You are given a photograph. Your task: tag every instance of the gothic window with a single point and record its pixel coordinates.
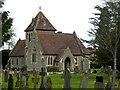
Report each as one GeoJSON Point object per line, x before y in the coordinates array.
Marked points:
{"type": "Point", "coordinates": [34, 55]}
{"type": "Point", "coordinates": [12, 61]}
{"type": "Point", "coordinates": [76, 60]}
{"type": "Point", "coordinates": [17, 61]}
{"type": "Point", "coordinates": [22, 60]}
{"type": "Point", "coordinates": [29, 37]}
{"type": "Point", "coordinates": [50, 60]}
{"type": "Point", "coordinates": [44, 22]}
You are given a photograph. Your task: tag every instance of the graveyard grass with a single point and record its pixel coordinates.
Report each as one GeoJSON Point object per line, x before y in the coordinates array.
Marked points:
{"type": "Point", "coordinates": [57, 82]}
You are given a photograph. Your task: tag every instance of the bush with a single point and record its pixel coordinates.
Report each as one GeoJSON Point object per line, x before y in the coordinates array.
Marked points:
{"type": "Point", "coordinates": [52, 69]}
{"type": "Point", "coordinates": [24, 68]}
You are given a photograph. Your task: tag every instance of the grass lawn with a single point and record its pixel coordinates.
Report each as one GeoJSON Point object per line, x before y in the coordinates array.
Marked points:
{"type": "Point", "coordinates": [57, 82]}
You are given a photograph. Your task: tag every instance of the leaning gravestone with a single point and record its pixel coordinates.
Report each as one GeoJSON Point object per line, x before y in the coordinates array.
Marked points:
{"type": "Point", "coordinates": [10, 83]}
{"type": "Point", "coordinates": [6, 76]}
{"type": "Point", "coordinates": [84, 82]}
{"type": "Point", "coordinates": [67, 79]}
{"type": "Point", "coordinates": [18, 81]}
{"type": "Point", "coordinates": [99, 85]}
{"type": "Point", "coordinates": [49, 83]}
{"type": "Point", "coordinates": [43, 82]}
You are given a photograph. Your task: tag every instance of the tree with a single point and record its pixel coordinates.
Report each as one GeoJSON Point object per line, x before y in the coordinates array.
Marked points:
{"type": "Point", "coordinates": [106, 34]}
{"type": "Point", "coordinates": [7, 31]}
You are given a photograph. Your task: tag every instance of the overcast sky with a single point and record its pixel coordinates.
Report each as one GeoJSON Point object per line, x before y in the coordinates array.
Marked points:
{"type": "Point", "coordinates": [65, 15]}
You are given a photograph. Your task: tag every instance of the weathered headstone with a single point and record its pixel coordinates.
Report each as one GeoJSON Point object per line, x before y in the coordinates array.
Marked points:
{"type": "Point", "coordinates": [67, 78]}
{"type": "Point", "coordinates": [27, 83]}
{"type": "Point", "coordinates": [49, 83]}
{"type": "Point", "coordinates": [109, 83]}
{"type": "Point", "coordinates": [99, 85]}
{"type": "Point", "coordinates": [6, 76]}
{"type": "Point", "coordinates": [119, 85]}
{"type": "Point", "coordinates": [10, 82]}
{"type": "Point", "coordinates": [43, 82]}
{"type": "Point", "coordinates": [22, 83]}
{"type": "Point", "coordinates": [18, 81]}
{"type": "Point", "coordinates": [102, 69]}
{"type": "Point", "coordinates": [84, 82]}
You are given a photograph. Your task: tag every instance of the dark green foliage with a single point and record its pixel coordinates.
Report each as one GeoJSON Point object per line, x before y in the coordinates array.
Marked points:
{"type": "Point", "coordinates": [7, 31]}
{"type": "Point", "coordinates": [5, 57]}
{"type": "Point", "coordinates": [94, 65]}
{"type": "Point", "coordinates": [24, 68]}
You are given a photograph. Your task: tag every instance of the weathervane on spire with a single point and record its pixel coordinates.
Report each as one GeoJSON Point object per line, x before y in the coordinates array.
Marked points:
{"type": "Point", "coordinates": [40, 8]}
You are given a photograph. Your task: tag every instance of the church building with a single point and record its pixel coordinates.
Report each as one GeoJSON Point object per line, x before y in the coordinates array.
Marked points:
{"type": "Point", "coordinates": [45, 47]}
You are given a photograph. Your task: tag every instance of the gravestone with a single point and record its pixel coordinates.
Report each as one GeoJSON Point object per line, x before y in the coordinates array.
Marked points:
{"type": "Point", "coordinates": [6, 76]}
{"type": "Point", "coordinates": [119, 85]}
{"type": "Point", "coordinates": [15, 72]}
{"type": "Point", "coordinates": [109, 83]}
{"type": "Point", "coordinates": [102, 69]}
{"type": "Point", "coordinates": [36, 80]}
{"type": "Point", "coordinates": [67, 78]}
{"type": "Point", "coordinates": [43, 82]}
{"type": "Point", "coordinates": [22, 83]}
{"type": "Point", "coordinates": [18, 81]}
{"type": "Point", "coordinates": [49, 83]}
{"type": "Point", "coordinates": [99, 85]}
{"type": "Point", "coordinates": [10, 82]}
{"type": "Point", "coordinates": [27, 83]}
{"type": "Point", "coordinates": [84, 82]}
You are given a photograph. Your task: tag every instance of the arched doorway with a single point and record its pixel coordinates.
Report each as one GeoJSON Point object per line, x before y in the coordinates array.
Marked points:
{"type": "Point", "coordinates": [67, 62]}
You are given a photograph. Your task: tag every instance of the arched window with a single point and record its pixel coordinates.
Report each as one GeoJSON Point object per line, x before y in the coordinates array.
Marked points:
{"type": "Point", "coordinates": [34, 55]}
{"type": "Point", "coordinates": [29, 37]}
{"type": "Point", "coordinates": [17, 61]}
{"type": "Point", "coordinates": [50, 60]}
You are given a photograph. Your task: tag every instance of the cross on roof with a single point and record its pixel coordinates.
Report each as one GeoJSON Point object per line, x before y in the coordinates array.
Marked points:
{"type": "Point", "coordinates": [40, 8]}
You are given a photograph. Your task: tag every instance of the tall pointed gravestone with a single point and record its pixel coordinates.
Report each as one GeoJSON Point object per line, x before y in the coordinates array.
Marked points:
{"type": "Point", "coordinates": [67, 78]}
{"type": "Point", "coordinates": [18, 81]}
{"type": "Point", "coordinates": [84, 82]}
{"type": "Point", "coordinates": [10, 83]}
{"type": "Point", "coordinates": [43, 82]}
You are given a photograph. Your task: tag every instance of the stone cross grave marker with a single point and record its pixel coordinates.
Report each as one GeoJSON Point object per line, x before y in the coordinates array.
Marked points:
{"type": "Point", "coordinates": [27, 83]}
{"type": "Point", "coordinates": [36, 80]}
{"type": "Point", "coordinates": [6, 76]}
{"type": "Point", "coordinates": [109, 83]}
{"type": "Point", "coordinates": [10, 82]}
{"type": "Point", "coordinates": [49, 83]}
{"type": "Point", "coordinates": [18, 81]}
{"type": "Point", "coordinates": [84, 82]}
{"type": "Point", "coordinates": [43, 82]}
{"type": "Point", "coordinates": [67, 78]}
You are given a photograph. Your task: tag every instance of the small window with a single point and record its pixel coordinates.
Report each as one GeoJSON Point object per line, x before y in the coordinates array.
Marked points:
{"type": "Point", "coordinates": [12, 61]}
{"type": "Point", "coordinates": [34, 55]}
{"type": "Point", "coordinates": [22, 60]}
{"type": "Point", "coordinates": [50, 60]}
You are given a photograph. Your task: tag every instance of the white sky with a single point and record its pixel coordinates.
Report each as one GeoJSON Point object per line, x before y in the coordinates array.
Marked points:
{"type": "Point", "coordinates": [65, 15]}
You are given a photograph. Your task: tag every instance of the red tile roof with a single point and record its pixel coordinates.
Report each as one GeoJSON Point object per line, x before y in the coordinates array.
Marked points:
{"type": "Point", "coordinates": [40, 22]}
{"type": "Point", "coordinates": [19, 49]}
{"type": "Point", "coordinates": [52, 43]}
